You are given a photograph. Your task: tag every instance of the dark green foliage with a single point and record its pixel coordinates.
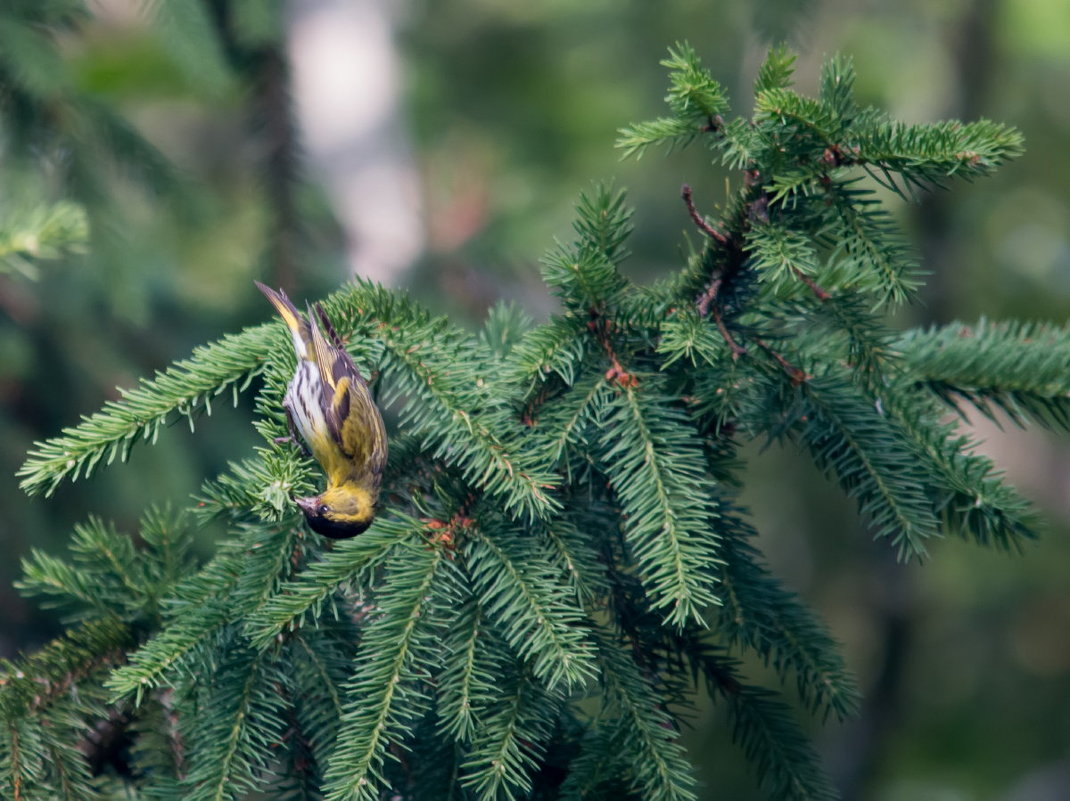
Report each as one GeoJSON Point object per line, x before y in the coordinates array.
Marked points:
{"type": "Point", "coordinates": [850, 438]}
{"type": "Point", "coordinates": [1020, 369]}
{"type": "Point", "coordinates": [559, 565]}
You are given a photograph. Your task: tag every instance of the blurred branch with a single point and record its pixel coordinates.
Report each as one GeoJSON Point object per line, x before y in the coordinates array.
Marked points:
{"type": "Point", "coordinates": [41, 232]}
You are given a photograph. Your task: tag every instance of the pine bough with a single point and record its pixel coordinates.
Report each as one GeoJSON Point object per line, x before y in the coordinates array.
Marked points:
{"type": "Point", "coordinates": [560, 564]}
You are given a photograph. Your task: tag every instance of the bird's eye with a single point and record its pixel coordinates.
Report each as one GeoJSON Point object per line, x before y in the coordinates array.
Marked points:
{"type": "Point", "coordinates": [324, 508]}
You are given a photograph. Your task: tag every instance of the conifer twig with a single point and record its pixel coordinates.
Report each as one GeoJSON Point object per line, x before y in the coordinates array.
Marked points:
{"type": "Point", "coordinates": [707, 305]}
{"type": "Point", "coordinates": [707, 300]}
{"type": "Point", "coordinates": [796, 374]}
{"type": "Point", "coordinates": [819, 293]}
{"type": "Point", "coordinates": [616, 373]}
{"type": "Point", "coordinates": [700, 221]}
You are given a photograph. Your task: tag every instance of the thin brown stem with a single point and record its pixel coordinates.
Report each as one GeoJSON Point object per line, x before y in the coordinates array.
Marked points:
{"type": "Point", "coordinates": [819, 293]}
{"type": "Point", "coordinates": [707, 305]}
{"type": "Point", "coordinates": [708, 297]}
{"type": "Point", "coordinates": [700, 221]}
{"type": "Point", "coordinates": [616, 374]}
{"type": "Point", "coordinates": [737, 349]}
{"type": "Point", "coordinates": [796, 374]}
{"type": "Point", "coordinates": [16, 768]}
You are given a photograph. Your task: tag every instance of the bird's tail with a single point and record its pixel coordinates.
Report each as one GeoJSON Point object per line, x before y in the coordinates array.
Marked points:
{"type": "Point", "coordinates": [295, 321]}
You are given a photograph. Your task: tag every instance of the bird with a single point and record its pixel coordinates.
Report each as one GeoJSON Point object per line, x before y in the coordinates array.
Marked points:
{"type": "Point", "coordinates": [328, 404]}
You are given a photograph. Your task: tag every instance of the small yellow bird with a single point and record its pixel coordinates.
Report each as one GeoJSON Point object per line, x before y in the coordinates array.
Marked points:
{"type": "Point", "coordinates": [328, 404]}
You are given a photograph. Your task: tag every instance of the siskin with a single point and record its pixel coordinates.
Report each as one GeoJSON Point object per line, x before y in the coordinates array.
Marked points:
{"type": "Point", "coordinates": [328, 404]}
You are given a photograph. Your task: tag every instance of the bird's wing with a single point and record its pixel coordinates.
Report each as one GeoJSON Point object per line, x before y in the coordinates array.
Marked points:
{"type": "Point", "coordinates": [352, 417]}
{"type": "Point", "coordinates": [355, 423]}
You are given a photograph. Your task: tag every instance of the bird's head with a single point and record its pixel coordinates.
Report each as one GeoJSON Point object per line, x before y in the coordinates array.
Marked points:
{"type": "Point", "coordinates": [340, 512]}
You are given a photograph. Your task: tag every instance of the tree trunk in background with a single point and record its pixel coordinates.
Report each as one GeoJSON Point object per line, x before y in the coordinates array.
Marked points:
{"type": "Point", "coordinates": [974, 59]}
{"type": "Point", "coordinates": [347, 86]}
{"type": "Point", "coordinates": [859, 754]}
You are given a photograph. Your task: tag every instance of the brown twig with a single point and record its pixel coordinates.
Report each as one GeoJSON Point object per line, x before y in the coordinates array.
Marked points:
{"type": "Point", "coordinates": [445, 533]}
{"type": "Point", "coordinates": [707, 301]}
{"type": "Point", "coordinates": [737, 349]}
{"type": "Point", "coordinates": [796, 374]}
{"type": "Point", "coordinates": [700, 221]}
{"type": "Point", "coordinates": [714, 123]}
{"type": "Point", "coordinates": [616, 374]}
{"type": "Point", "coordinates": [820, 293]}
{"type": "Point", "coordinates": [704, 305]}
{"type": "Point", "coordinates": [707, 305]}
{"type": "Point", "coordinates": [708, 297]}
{"type": "Point", "coordinates": [528, 416]}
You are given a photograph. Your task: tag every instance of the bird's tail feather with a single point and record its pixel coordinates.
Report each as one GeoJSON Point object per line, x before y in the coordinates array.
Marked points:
{"type": "Point", "coordinates": [295, 321]}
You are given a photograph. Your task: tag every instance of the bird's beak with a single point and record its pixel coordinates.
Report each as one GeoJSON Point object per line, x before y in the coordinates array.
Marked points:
{"type": "Point", "coordinates": [308, 505]}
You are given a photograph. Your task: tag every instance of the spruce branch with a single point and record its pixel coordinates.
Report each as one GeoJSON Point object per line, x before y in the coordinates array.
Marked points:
{"type": "Point", "coordinates": [575, 556]}
{"type": "Point", "coordinates": [642, 728]}
{"type": "Point", "coordinates": [759, 614]}
{"type": "Point", "coordinates": [776, 70]}
{"type": "Point", "coordinates": [849, 437]}
{"type": "Point", "coordinates": [1016, 368]}
{"type": "Point", "coordinates": [511, 739]}
{"type": "Point", "coordinates": [448, 419]}
{"type": "Point", "coordinates": [970, 497]}
{"type": "Point", "coordinates": [184, 390]}
{"type": "Point", "coordinates": [351, 560]}
{"type": "Point", "coordinates": [585, 274]}
{"type": "Point", "coordinates": [566, 424]}
{"type": "Point", "coordinates": [469, 672]}
{"type": "Point", "coordinates": [322, 663]}
{"type": "Point", "coordinates": [558, 565]}
{"type": "Point", "coordinates": [867, 343]}
{"type": "Point", "coordinates": [239, 721]}
{"type": "Point", "coordinates": [204, 606]}
{"type": "Point", "coordinates": [696, 99]}
{"type": "Point", "coordinates": [40, 232]}
{"type": "Point", "coordinates": [869, 245]}
{"type": "Point", "coordinates": [552, 349]}
{"type": "Point", "coordinates": [384, 698]}
{"type": "Point", "coordinates": [693, 91]}
{"type": "Point", "coordinates": [684, 334]}
{"type": "Point", "coordinates": [763, 727]}
{"type": "Point", "coordinates": [936, 151]}
{"type": "Point", "coordinates": [654, 465]}
{"type": "Point", "coordinates": [46, 701]}
{"type": "Point", "coordinates": [531, 612]}
{"type": "Point", "coordinates": [29, 685]}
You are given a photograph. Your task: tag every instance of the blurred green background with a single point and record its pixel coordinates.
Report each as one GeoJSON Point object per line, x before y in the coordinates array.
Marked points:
{"type": "Point", "coordinates": [438, 145]}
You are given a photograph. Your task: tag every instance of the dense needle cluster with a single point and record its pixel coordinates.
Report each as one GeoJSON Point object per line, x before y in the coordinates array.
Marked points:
{"type": "Point", "coordinates": [559, 564]}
